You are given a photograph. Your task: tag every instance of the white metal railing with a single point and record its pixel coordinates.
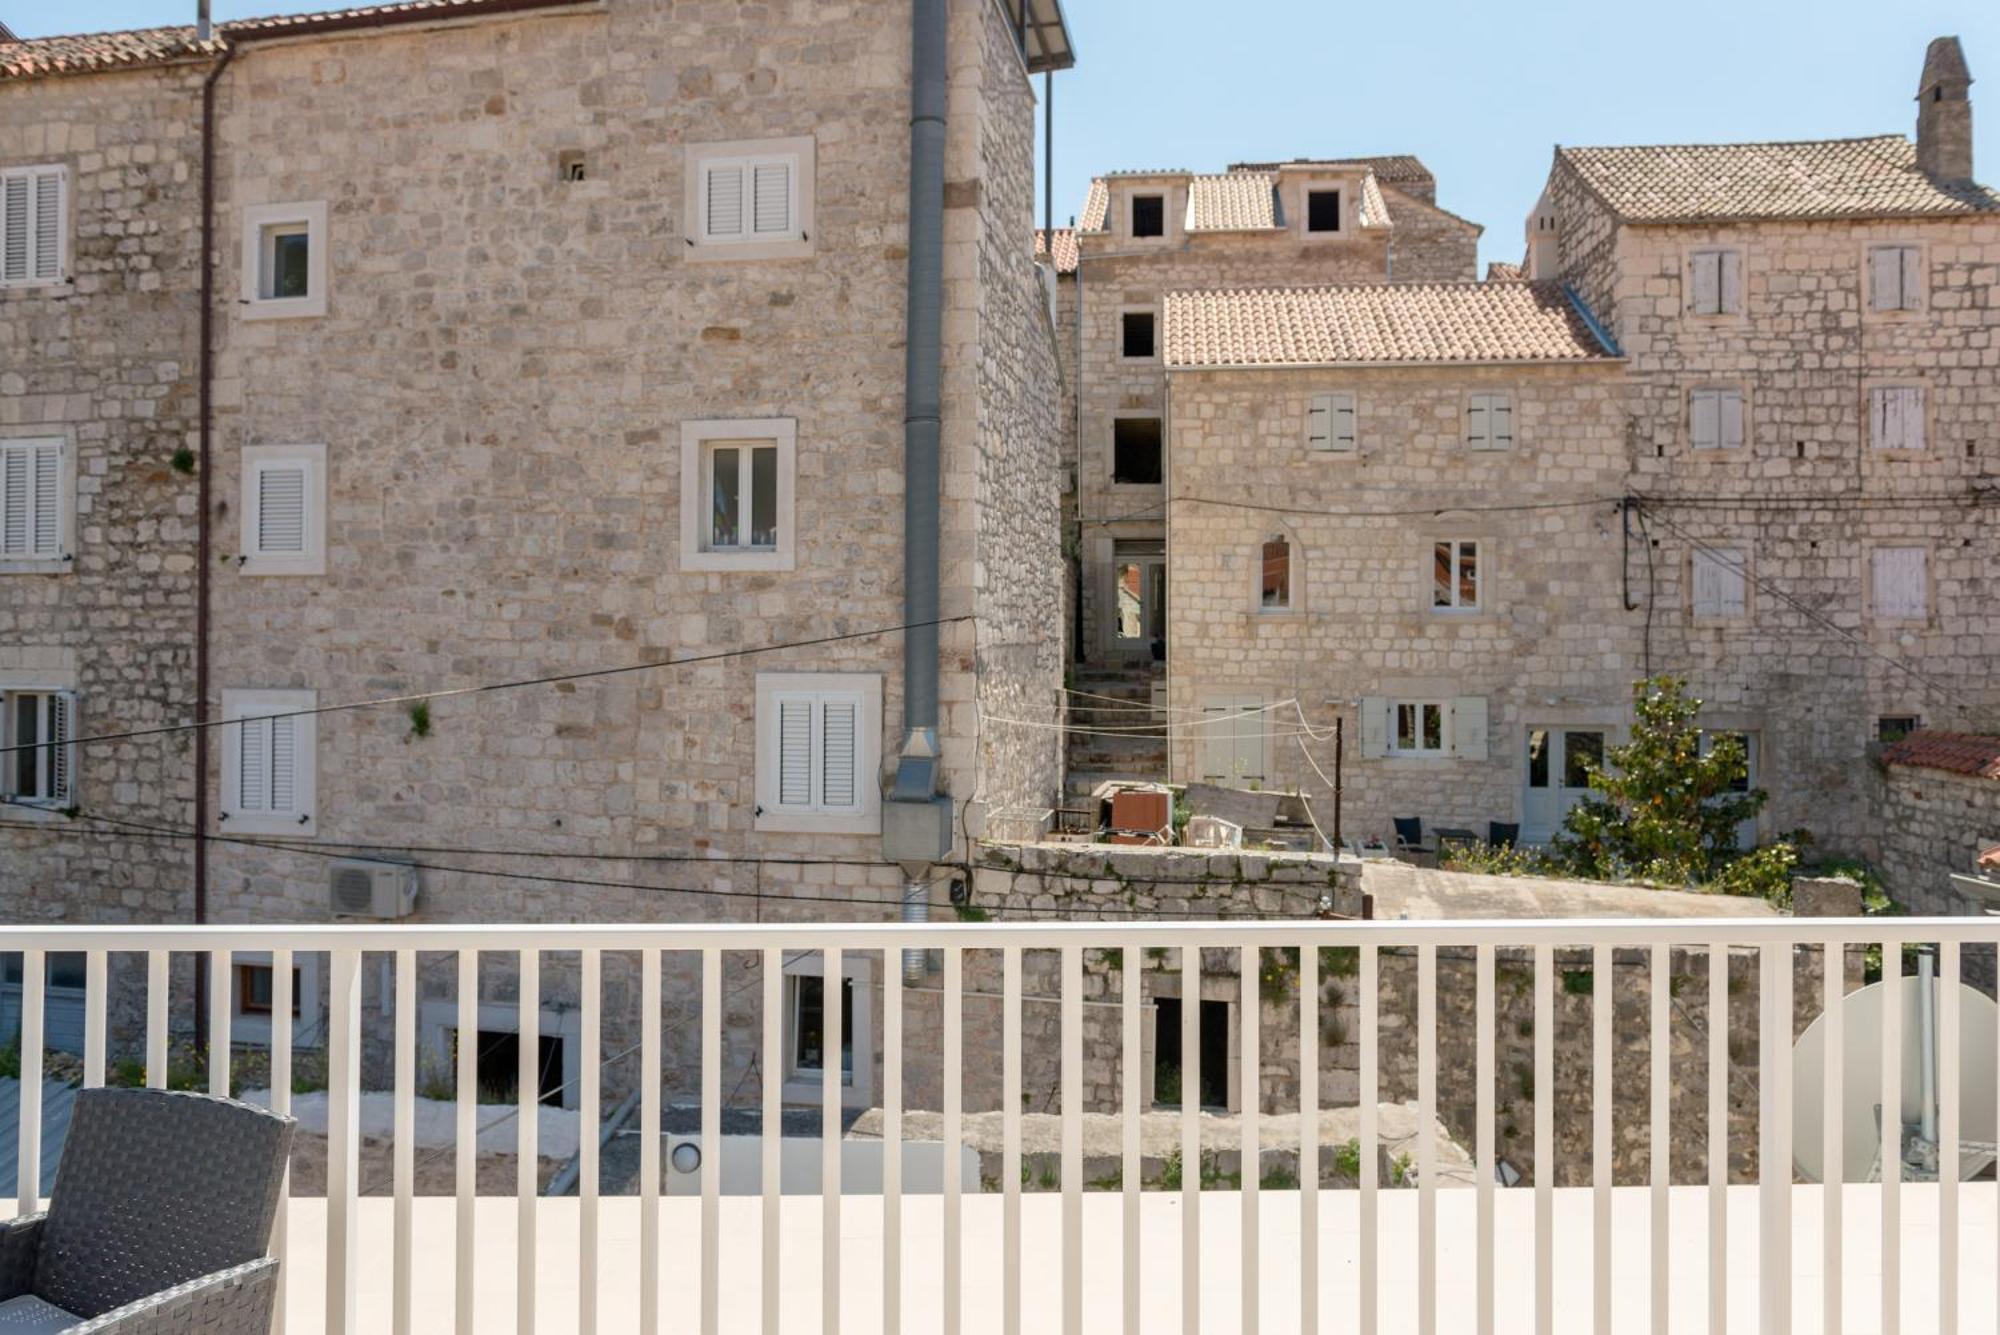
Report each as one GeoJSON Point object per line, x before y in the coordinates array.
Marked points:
{"type": "Point", "coordinates": [1093, 1246]}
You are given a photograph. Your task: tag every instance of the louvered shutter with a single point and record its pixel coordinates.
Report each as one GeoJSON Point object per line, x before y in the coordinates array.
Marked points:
{"type": "Point", "coordinates": [837, 753]}
{"type": "Point", "coordinates": [62, 757]}
{"type": "Point", "coordinates": [1730, 299]}
{"type": "Point", "coordinates": [1899, 579]}
{"type": "Point", "coordinates": [48, 225]}
{"type": "Point", "coordinates": [1911, 286]}
{"type": "Point", "coordinates": [1729, 419]}
{"type": "Point", "coordinates": [795, 752]}
{"type": "Point", "coordinates": [16, 474]}
{"type": "Point", "coordinates": [31, 500]}
{"type": "Point", "coordinates": [725, 202]}
{"type": "Point", "coordinates": [284, 765]}
{"type": "Point", "coordinates": [253, 765]}
{"type": "Point", "coordinates": [772, 198]}
{"type": "Point", "coordinates": [16, 257]}
{"type": "Point", "coordinates": [281, 510]}
{"type": "Point", "coordinates": [1704, 419]}
{"type": "Point", "coordinates": [1319, 423]}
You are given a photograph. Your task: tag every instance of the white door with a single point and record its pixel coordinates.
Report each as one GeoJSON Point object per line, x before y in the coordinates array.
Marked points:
{"type": "Point", "coordinates": [1559, 761]}
{"type": "Point", "coordinates": [1230, 749]}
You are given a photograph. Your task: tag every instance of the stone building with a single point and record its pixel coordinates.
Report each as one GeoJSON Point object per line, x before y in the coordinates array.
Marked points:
{"type": "Point", "coordinates": [1940, 803]}
{"type": "Point", "coordinates": [547, 339]}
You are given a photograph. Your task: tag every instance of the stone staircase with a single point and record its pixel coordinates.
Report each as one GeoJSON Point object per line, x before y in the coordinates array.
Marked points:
{"type": "Point", "coordinates": [1114, 697]}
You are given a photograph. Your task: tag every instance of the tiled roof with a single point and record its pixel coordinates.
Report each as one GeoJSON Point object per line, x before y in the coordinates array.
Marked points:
{"type": "Point", "coordinates": [1065, 253]}
{"type": "Point", "coordinates": [1238, 200]}
{"type": "Point", "coordinates": [1096, 207]}
{"type": "Point", "coordinates": [1499, 271]}
{"type": "Point", "coordinates": [89, 52]}
{"type": "Point", "coordinates": [1826, 178]}
{"type": "Point", "coordinates": [1954, 752]}
{"type": "Point", "coordinates": [1378, 322]}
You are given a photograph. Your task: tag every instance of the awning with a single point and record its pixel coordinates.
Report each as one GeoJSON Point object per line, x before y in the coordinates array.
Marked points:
{"type": "Point", "coordinates": [1044, 35]}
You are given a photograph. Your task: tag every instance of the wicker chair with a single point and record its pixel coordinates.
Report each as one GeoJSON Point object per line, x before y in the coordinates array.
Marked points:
{"type": "Point", "coordinates": [159, 1222]}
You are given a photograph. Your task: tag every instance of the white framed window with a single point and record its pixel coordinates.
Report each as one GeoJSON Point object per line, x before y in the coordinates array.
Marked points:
{"type": "Point", "coordinates": [1896, 417]}
{"type": "Point", "coordinates": [1720, 582]}
{"type": "Point", "coordinates": [253, 995]}
{"type": "Point", "coordinates": [1139, 334]}
{"type": "Point", "coordinates": [1715, 419]}
{"type": "Point", "coordinates": [269, 763]}
{"type": "Point", "coordinates": [1455, 576]}
{"type": "Point", "coordinates": [34, 503]}
{"type": "Point", "coordinates": [750, 199]}
{"type": "Point", "coordinates": [1417, 727]}
{"type": "Point", "coordinates": [34, 225]}
{"type": "Point", "coordinates": [805, 1029]}
{"type": "Point", "coordinates": [1330, 423]}
{"type": "Point", "coordinates": [284, 510]}
{"type": "Point", "coordinates": [1425, 728]}
{"type": "Point", "coordinates": [1489, 421]}
{"type": "Point", "coordinates": [819, 752]}
{"type": "Point", "coordinates": [44, 722]}
{"type": "Point", "coordinates": [737, 505]}
{"type": "Point", "coordinates": [1715, 281]}
{"type": "Point", "coordinates": [1899, 583]}
{"type": "Point", "coordinates": [1277, 575]}
{"type": "Point", "coordinates": [1895, 278]}
{"type": "Point", "coordinates": [284, 261]}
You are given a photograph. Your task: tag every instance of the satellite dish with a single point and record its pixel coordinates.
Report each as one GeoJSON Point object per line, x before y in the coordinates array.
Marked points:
{"type": "Point", "coordinates": [1861, 1079]}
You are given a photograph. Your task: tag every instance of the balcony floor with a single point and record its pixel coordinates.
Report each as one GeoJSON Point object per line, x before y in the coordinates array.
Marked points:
{"type": "Point", "coordinates": [861, 1236]}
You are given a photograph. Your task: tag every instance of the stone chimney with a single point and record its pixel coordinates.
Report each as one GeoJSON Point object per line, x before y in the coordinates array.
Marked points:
{"type": "Point", "coordinates": [1944, 113]}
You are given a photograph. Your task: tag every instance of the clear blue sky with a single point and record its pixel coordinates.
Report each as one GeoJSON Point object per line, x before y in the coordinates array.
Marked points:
{"type": "Point", "coordinates": [1480, 89]}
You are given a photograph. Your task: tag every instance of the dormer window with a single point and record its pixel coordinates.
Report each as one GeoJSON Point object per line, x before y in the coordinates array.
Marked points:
{"type": "Point", "coordinates": [1322, 210]}
{"type": "Point", "coordinates": [1149, 215]}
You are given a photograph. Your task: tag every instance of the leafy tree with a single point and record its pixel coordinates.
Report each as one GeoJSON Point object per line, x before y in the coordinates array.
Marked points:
{"type": "Point", "coordinates": [1662, 809]}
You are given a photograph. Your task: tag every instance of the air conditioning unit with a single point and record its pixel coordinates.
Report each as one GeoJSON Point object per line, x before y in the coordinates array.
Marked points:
{"type": "Point", "coordinates": [357, 888]}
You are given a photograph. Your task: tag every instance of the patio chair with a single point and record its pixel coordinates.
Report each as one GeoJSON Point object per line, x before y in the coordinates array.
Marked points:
{"type": "Point", "coordinates": [1410, 834]}
{"type": "Point", "coordinates": [160, 1221]}
{"type": "Point", "coordinates": [1502, 834]}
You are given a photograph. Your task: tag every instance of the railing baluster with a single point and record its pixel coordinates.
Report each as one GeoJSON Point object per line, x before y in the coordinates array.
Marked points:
{"type": "Point", "coordinates": [829, 1145]}
{"type": "Point", "coordinates": [1370, 1148]}
{"type": "Point", "coordinates": [590, 1072]}
{"type": "Point", "coordinates": [1545, 1124]}
{"type": "Point", "coordinates": [96, 989]}
{"type": "Point", "coordinates": [28, 1163]}
{"type": "Point", "coordinates": [1603, 998]}
{"type": "Point", "coordinates": [343, 1144]}
{"type": "Point", "coordinates": [892, 1142]}
{"type": "Point", "coordinates": [1131, 975]}
{"type": "Point", "coordinates": [219, 968]}
{"type": "Point", "coordinates": [711, 1123]}
{"type": "Point", "coordinates": [282, 1001]}
{"type": "Point", "coordinates": [1948, 1166]}
{"type": "Point", "coordinates": [1427, 1139]}
{"type": "Point", "coordinates": [406, 1131]}
{"type": "Point", "coordinates": [1010, 1145]}
{"type": "Point", "coordinates": [649, 1141]}
{"type": "Point", "coordinates": [1191, 1140]}
{"type": "Point", "coordinates": [1309, 1131]}
{"type": "Point", "coordinates": [156, 1019]}
{"type": "Point", "coordinates": [527, 1138]}
{"type": "Point", "coordinates": [1718, 1137]}
{"type": "Point", "coordinates": [1891, 1139]}
{"type": "Point", "coordinates": [1774, 1152]}
{"type": "Point", "coordinates": [1832, 1137]}
{"type": "Point", "coordinates": [772, 1129]}
{"type": "Point", "coordinates": [465, 1093]}
{"type": "Point", "coordinates": [1072, 1138]}
{"type": "Point", "coordinates": [1483, 1132]}
{"type": "Point", "coordinates": [954, 1093]}
{"type": "Point", "coordinates": [1659, 1054]}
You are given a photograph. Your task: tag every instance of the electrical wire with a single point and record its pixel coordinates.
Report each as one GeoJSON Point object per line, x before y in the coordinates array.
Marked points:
{"type": "Point", "coordinates": [1323, 512]}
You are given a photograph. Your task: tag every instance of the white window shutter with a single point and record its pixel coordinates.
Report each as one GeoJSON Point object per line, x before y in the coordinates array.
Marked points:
{"type": "Point", "coordinates": [1912, 284]}
{"type": "Point", "coordinates": [1705, 419]}
{"type": "Point", "coordinates": [771, 190]}
{"type": "Point", "coordinates": [795, 752]}
{"type": "Point", "coordinates": [253, 765]}
{"type": "Point", "coordinates": [1729, 415]}
{"type": "Point", "coordinates": [1503, 422]}
{"type": "Point", "coordinates": [1719, 583]}
{"type": "Point", "coordinates": [1478, 427]}
{"type": "Point", "coordinates": [838, 781]}
{"type": "Point", "coordinates": [1343, 421]}
{"type": "Point", "coordinates": [281, 510]}
{"type": "Point", "coordinates": [1900, 583]}
{"type": "Point", "coordinates": [1319, 423]}
{"type": "Point", "coordinates": [1468, 727]}
{"type": "Point", "coordinates": [1707, 281]}
{"type": "Point", "coordinates": [1885, 279]}
{"type": "Point", "coordinates": [1912, 401]}
{"type": "Point", "coordinates": [16, 477]}
{"type": "Point", "coordinates": [48, 225]}
{"type": "Point", "coordinates": [284, 765]}
{"type": "Point", "coordinates": [1375, 726]}
{"type": "Point", "coordinates": [16, 258]}
{"type": "Point", "coordinates": [725, 201]}
{"type": "Point", "coordinates": [62, 759]}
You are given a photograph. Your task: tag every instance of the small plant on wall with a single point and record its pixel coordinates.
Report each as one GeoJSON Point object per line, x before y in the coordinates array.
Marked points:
{"type": "Point", "coordinates": [420, 719]}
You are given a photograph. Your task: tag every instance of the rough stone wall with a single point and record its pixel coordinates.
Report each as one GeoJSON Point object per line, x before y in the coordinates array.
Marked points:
{"type": "Point", "coordinates": [1427, 244]}
{"type": "Point", "coordinates": [108, 361]}
{"type": "Point", "coordinates": [1551, 646]}
{"type": "Point", "coordinates": [1933, 824]}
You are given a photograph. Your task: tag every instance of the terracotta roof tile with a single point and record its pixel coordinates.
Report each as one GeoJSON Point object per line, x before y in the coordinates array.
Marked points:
{"type": "Point", "coordinates": [1499, 271]}
{"type": "Point", "coordinates": [1378, 322]}
{"type": "Point", "coordinates": [1096, 207]}
{"type": "Point", "coordinates": [1827, 178]}
{"type": "Point", "coordinates": [1232, 202]}
{"type": "Point", "coordinates": [1954, 752]}
{"type": "Point", "coordinates": [1065, 254]}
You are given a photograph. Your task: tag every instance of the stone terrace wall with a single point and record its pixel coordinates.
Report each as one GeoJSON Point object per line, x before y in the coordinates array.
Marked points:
{"type": "Point", "coordinates": [1934, 823]}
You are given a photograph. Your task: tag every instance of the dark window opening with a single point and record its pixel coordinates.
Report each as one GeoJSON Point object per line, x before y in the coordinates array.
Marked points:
{"type": "Point", "coordinates": [1149, 215]}
{"type": "Point", "coordinates": [255, 989]}
{"type": "Point", "coordinates": [809, 1026]}
{"type": "Point", "coordinates": [1895, 727]}
{"type": "Point", "coordinates": [499, 1068]}
{"type": "Point", "coordinates": [1322, 210]}
{"type": "Point", "coordinates": [1138, 331]}
{"type": "Point", "coordinates": [1135, 450]}
{"type": "Point", "coordinates": [570, 165]}
{"type": "Point", "coordinates": [1167, 1082]}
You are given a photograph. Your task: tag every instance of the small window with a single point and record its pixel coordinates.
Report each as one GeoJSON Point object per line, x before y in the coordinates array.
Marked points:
{"type": "Point", "coordinates": [571, 165]}
{"type": "Point", "coordinates": [737, 494]}
{"type": "Point", "coordinates": [38, 728]}
{"type": "Point", "coordinates": [1276, 578]}
{"type": "Point", "coordinates": [1721, 583]}
{"type": "Point", "coordinates": [33, 221]}
{"type": "Point", "coordinates": [808, 1025]}
{"type": "Point", "coordinates": [750, 199]}
{"type": "Point", "coordinates": [1135, 450]}
{"type": "Point", "coordinates": [34, 507]}
{"type": "Point", "coordinates": [284, 506]}
{"type": "Point", "coordinates": [255, 989]}
{"type": "Point", "coordinates": [284, 260]}
{"type": "Point", "coordinates": [1322, 210]}
{"type": "Point", "coordinates": [1896, 417]}
{"type": "Point", "coordinates": [269, 760]}
{"type": "Point", "coordinates": [1455, 576]}
{"type": "Point", "coordinates": [1417, 728]}
{"type": "Point", "coordinates": [1899, 583]}
{"type": "Point", "coordinates": [819, 746]}
{"type": "Point", "coordinates": [1137, 341]}
{"type": "Point", "coordinates": [1489, 422]}
{"type": "Point", "coordinates": [1895, 727]}
{"type": "Point", "coordinates": [1895, 278]}
{"type": "Point", "coordinates": [1715, 419]}
{"type": "Point", "coordinates": [1149, 215]}
{"type": "Point", "coordinates": [1715, 282]}
{"type": "Point", "coordinates": [1330, 423]}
